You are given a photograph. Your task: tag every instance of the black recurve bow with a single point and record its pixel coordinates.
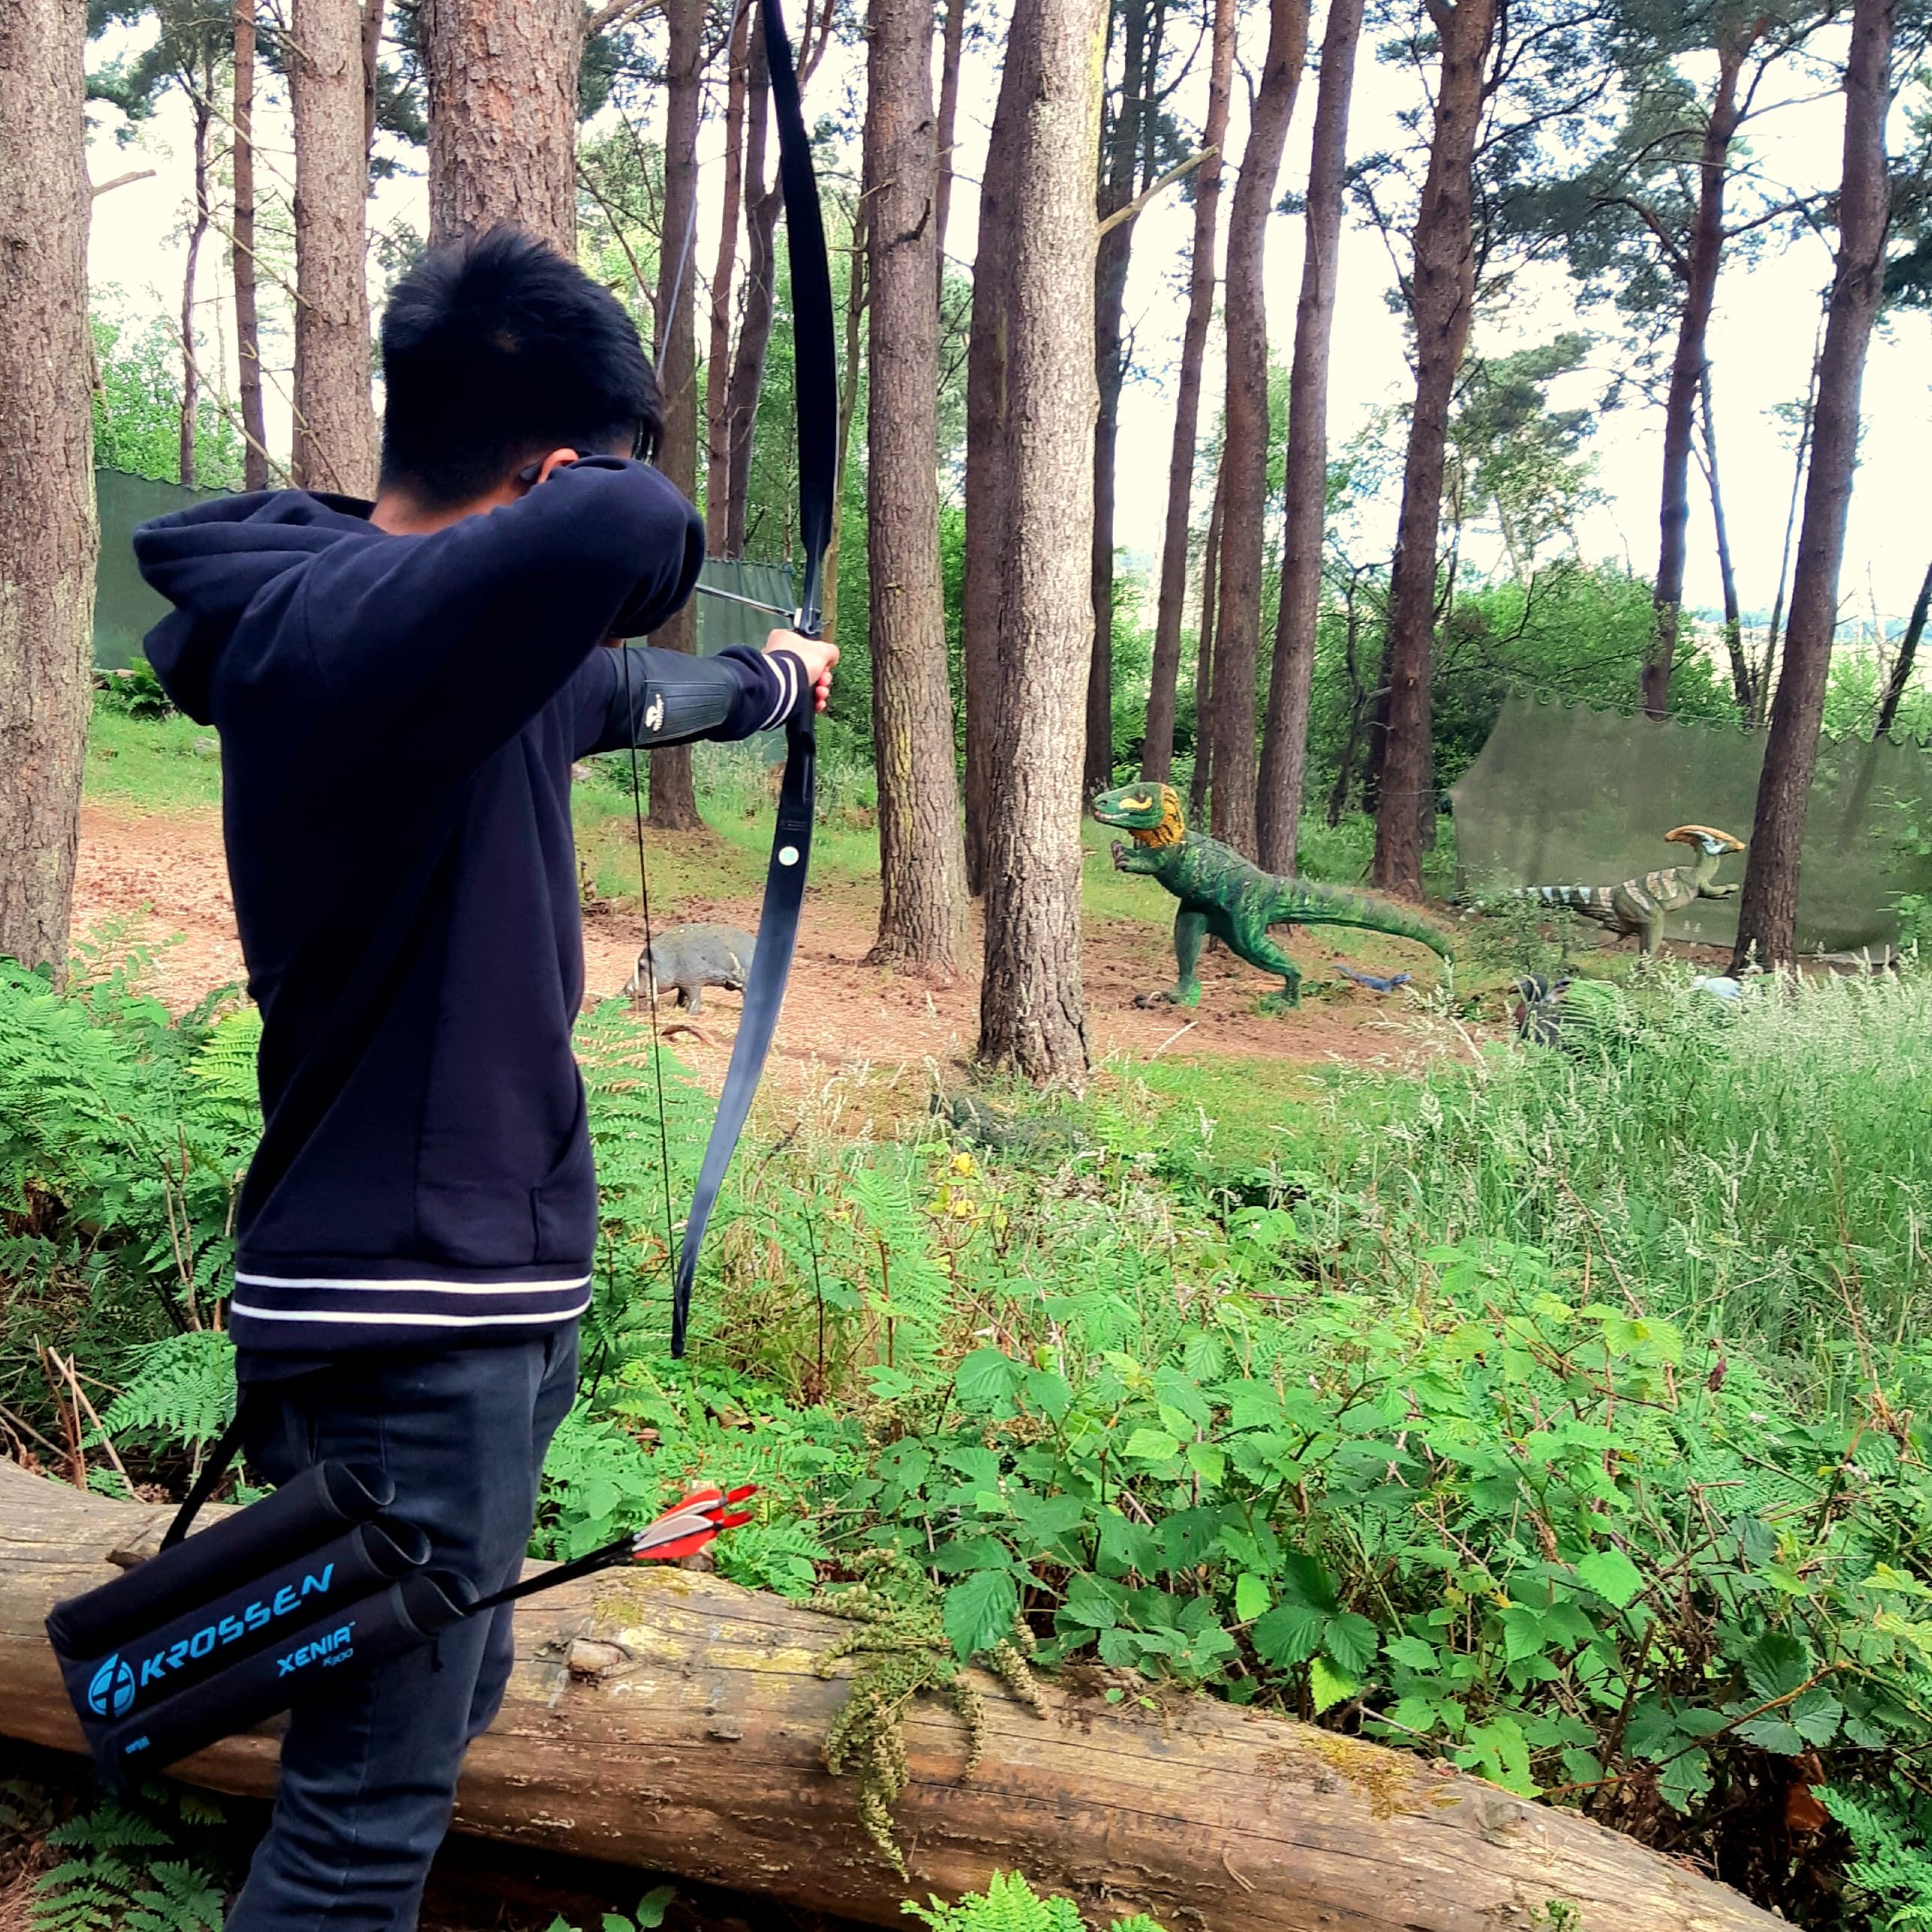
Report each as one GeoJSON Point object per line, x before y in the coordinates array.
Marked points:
{"type": "Point", "coordinates": [815, 387]}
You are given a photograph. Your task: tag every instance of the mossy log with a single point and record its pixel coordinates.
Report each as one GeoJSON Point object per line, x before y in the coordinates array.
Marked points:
{"type": "Point", "coordinates": [670, 1721]}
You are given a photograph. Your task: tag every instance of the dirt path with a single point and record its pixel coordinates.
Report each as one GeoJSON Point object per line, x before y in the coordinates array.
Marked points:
{"type": "Point", "coordinates": [161, 879]}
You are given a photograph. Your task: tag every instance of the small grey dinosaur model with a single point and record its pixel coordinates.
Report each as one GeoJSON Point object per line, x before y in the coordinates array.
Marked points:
{"type": "Point", "coordinates": [685, 959]}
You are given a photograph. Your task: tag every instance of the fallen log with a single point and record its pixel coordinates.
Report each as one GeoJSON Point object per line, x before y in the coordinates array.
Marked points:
{"type": "Point", "coordinates": [668, 1720]}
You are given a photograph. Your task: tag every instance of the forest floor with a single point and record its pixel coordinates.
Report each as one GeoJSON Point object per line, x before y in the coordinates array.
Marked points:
{"type": "Point", "coordinates": [158, 879]}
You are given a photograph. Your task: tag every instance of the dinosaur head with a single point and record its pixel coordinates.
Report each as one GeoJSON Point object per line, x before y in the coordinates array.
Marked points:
{"type": "Point", "coordinates": [1150, 812]}
{"type": "Point", "coordinates": [1708, 840]}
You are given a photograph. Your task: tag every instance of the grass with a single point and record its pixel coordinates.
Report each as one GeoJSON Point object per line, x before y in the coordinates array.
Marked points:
{"type": "Point", "coordinates": [161, 764]}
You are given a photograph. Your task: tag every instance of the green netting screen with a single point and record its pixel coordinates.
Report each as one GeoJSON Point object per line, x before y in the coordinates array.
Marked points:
{"type": "Point", "coordinates": [125, 610]}
{"type": "Point", "coordinates": [1563, 794]}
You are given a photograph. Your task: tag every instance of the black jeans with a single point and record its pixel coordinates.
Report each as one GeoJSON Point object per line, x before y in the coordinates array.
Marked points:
{"type": "Point", "coordinates": [369, 1770]}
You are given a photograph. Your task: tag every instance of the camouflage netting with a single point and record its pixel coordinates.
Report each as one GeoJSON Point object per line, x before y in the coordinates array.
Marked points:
{"type": "Point", "coordinates": [1563, 794]}
{"type": "Point", "coordinates": [125, 610]}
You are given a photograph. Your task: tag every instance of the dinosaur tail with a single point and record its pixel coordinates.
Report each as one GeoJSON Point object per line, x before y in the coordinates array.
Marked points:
{"type": "Point", "coordinates": [1317, 905]}
{"type": "Point", "coordinates": [1579, 898]}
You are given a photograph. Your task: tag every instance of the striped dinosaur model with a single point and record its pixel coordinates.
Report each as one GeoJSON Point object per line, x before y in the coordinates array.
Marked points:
{"type": "Point", "coordinates": [1639, 906]}
{"type": "Point", "coordinates": [1221, 893]}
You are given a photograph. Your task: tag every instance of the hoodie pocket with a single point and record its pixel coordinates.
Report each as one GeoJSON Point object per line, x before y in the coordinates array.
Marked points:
{"type": "Point", "coordinates": [563, 1204]}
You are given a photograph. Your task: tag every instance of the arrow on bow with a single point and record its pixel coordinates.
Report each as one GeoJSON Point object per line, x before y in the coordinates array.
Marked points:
{"type": "Point", "coordinates": [815, 356]}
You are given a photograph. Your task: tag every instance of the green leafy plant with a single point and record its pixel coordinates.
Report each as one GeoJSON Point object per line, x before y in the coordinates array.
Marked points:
{"type": "Point", "coordinates": [1010, 1904]}
{"type": "Point", "coordinates": [647, 1916]}
{"type": "Point", "coordinates": [135, 691]}
{"type": "Point", "coordinates": [1891, 1867]}
{"type": "Point", "coordinates": [114, 1878]}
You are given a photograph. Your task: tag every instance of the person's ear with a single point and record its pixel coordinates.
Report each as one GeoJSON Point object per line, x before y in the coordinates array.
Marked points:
{"type": "Point", "coordinates": [555, 461]}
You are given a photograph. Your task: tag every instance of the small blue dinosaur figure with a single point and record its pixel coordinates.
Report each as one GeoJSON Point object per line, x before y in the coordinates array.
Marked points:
{"type": "Point", "coordinates": [1374, 982]}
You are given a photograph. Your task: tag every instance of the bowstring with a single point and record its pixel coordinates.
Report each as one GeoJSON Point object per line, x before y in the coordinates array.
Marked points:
{"type": "Point", "coordinates": [650, 966]}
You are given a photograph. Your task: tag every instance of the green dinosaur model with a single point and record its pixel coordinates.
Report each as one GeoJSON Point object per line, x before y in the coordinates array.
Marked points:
{"type": "Point", "coordinates": [1640, 906]}
{"type": "Point", "coordinates": [1221, 893]}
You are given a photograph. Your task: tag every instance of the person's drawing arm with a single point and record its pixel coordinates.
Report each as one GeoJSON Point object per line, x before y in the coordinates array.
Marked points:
{"type": "Point", "coordinates": [472, 630]}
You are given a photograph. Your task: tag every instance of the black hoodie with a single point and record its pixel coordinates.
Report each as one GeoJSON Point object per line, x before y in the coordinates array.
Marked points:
{"type": "Point", "coordinates": [398, 718]}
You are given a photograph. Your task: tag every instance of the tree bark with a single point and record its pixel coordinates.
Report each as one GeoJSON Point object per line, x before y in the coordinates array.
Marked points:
{"type": "Point", "coordinates": [48, 546]}
{"type": "Point", "coordinates": [1157, 748]}
{"type": "Point", "coordinates": [718, 362]}
{"type": "Point", "coordinates": [1245, 453]}
{"type": "Point", "coordinates": [1687, 364]}
{"type": "Point", "coordinates": [1767, 911]}
{"type": "Point", "coordinates": [922, 862]}
{"type": "Point", "coordinates": [951, 46]}
{"type": "Point", "coordinates": [673, 792]}
{"type": "Point", "coordinates": [667, 1720]}
{"type": "Point", "coordinates": [1908, 653]}
{"type": "Point", "coordinates": [335, 418]}
{"type": "Point", "coordinates": [1032, 1014]}
{"type": "Point", "coordinates": [1204, 666]}
{"type": "Point", "coordinates": [856, 300]}
{"type": "Point", "coordinates": [1734, 616]}
{"type": "Point", "coordinates": [1284, 743]}
{"type": "Point", "coordinates": [754, 329]}
{"type": "Point", "coordinates": [201, 104]}
{"type": "Point", "coordinates": [1120, 155]}
{"type": "Point", "coordinates": [247, 321]}
{"type": "Point", "coordinates": [372, 70]}
{"type": "Point", "coordinates": [1442, 293]}
{"type": "Point", "coordinates": [503, 118]}
{"type": "Point", "coordinates": [987, 481]}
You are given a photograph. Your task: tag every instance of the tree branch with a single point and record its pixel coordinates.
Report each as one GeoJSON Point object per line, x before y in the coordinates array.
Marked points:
{"type": "Point", "coordinates": [1152, 188]}
{"type": "Point", "coordinates": [99, 188]}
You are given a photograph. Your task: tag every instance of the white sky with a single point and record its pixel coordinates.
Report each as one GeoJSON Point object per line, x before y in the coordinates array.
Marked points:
{"type": "Point", "coordinates": [1760, 343]}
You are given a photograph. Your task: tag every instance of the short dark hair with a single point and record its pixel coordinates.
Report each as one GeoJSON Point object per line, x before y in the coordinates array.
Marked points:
{"type": "Point", "coordinates": [497, 350]}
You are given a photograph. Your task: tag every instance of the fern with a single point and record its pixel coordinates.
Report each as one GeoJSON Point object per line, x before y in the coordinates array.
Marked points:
{"type": "Point", "coordinates": [108, 1884]}
{"type": "Point", "coordinates": [182, 1391]}
{"type": "Point", "coordinates": [1891, 1864]}
{"type": "Point", "coordinates": [914, 1286]}
{"type": "Point", "coordinates": [1010, 1904]}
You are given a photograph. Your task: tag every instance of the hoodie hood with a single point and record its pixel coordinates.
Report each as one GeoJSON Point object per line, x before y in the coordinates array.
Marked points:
{"type": "Point", "coordinates": [212, 561]}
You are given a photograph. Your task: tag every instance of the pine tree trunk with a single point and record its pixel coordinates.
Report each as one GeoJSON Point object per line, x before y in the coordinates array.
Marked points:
{"type": "Point", "coordinates": [247, 321]}
{"type": "Point", "coordinates": [1687, 364]}
{"type": "Point", "coordinates": [673, 793]}
{"type": "Point", "coordinates": [856, 300]}
{"type": "Point", "coordinates": [49, 540]}
{"type": "Point", "coordinates": [203, 108]}
{"type": "Point", "coordinates": [1908, 653]}
{"type": "Point", "coordinates": [1119, 154]}
{"type": "Point", "coordinates": [1284, 743]}
{"type": "Point", "coordinates": [1244, 453]}
{"type": "Point", "coordinates": [951, 45]}
{"type": "Point", "coordinates": [372, 66]}
{"type": "Point", "coordinates": [1204, 666]}
{"type": "Point", "coordinates": [1032, 1015]}
{"type": "Point", "coordinates": [987, 481]}
{"type": "Point", "coordinates": [335, 417]}
{"type": "Point", "coordinates": [763, 204]}
{"type": "Point", "coordinates": [503, 118]}
{"type": "Point", "coordinates": [1157, 747]}
{"type": "Point", "coordinates": [1734, 616]}
{"type": "Point", "coordinates": [1767, 912]}
{"type": "Point", "coordinates": [922, 863]}
{"type": "Point", "coordinates": [718, 362]}
{"type": "Point", "coordinates": [1443, 283]}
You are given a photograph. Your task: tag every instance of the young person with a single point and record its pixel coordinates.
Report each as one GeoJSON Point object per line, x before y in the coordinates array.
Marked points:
{"type": "Point", "coordinates": [400, 690]}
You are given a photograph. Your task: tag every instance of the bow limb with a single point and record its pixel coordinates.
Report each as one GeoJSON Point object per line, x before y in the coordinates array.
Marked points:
{"type": "Point", "coordinates": [815, 386]}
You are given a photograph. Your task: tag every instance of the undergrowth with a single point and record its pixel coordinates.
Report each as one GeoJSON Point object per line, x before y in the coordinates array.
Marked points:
{"type": "Point", "coordinates": [1557, 1416]}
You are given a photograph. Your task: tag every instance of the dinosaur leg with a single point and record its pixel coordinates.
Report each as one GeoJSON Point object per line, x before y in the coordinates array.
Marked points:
{"type": "Point", "coordinates": [1264, 952]}
{"type": "Point", "coordinates": [1190, 931]}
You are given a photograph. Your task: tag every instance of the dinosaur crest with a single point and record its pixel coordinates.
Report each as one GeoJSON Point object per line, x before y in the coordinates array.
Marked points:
{"type": "Point", "coordinates": [1707, 837]}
